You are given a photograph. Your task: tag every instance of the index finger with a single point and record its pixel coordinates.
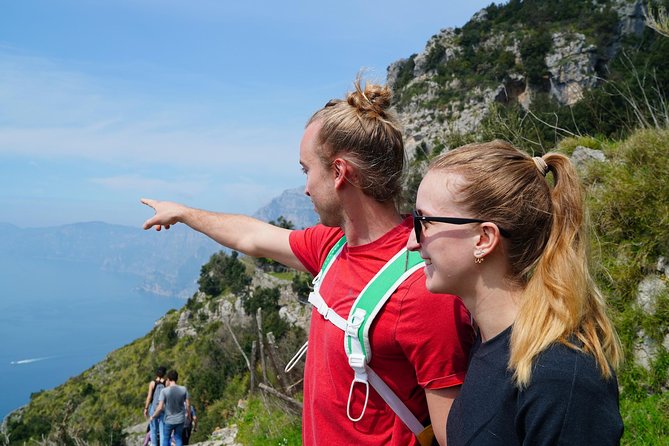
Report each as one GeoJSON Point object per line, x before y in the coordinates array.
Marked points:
{"type": "Point", "coordinates": [149, 202]}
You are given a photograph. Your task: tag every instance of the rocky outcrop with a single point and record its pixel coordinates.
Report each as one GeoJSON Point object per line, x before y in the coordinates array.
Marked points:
{"type": "Point", "coordinates": [439, 49]}
{"type": "Point", "coordinates": [583, 155]}
{"type": "Point", "coordinates": [631, 15]}
{"type": "Point", "coordinates": [231, 309]}
{"type": "Point", "coordinates": [572, 64]}
{"type": "Point", "coordinates": [226, 436]}
{"type": "Point", "coordinates": [651, 288]}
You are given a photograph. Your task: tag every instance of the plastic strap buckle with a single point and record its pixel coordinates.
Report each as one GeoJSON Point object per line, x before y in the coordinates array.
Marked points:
{"type": "Point", "coordinates": [357, 363]}
{"type": "Point", "coordinates": [354, 322]}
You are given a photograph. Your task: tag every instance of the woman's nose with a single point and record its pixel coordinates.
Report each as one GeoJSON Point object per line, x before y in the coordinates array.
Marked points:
{"type": "Point", "coordinates": [412, 243]}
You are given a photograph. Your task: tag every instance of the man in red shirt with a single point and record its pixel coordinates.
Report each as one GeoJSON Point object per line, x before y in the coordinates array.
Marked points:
{"type": "Point", "coordinates": [353, 156]}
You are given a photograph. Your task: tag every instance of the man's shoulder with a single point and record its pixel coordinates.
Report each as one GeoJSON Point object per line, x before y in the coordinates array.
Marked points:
{"type": "Point", "coordinates": [415, 289]}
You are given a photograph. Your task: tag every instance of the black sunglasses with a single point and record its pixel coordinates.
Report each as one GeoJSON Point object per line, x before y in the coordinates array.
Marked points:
{"type": "Point", "coordinates": [419, 219]}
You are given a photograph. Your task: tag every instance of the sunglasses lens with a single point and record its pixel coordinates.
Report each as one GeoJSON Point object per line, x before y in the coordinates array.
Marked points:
{"type": "Point", "coordinates": [417, 227]}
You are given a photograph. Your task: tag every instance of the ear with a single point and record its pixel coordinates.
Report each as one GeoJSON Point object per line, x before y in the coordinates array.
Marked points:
{"type": "Point", "coordinates": [488, 240]}
{"type": "Point", "coordinates": [341, 169]}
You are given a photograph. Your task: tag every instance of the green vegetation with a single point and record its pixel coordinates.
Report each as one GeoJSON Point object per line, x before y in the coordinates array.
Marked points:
{"type": "Point", "coordinates": [224, 273]}
{"type": "Point", "coordinates": [486, 59]}
{"type": "Point", "coordinates": [269, 265]}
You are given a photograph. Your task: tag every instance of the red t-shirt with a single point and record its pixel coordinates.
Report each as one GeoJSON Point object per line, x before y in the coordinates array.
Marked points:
{"type": "Point", "coordinates": [418, 340]}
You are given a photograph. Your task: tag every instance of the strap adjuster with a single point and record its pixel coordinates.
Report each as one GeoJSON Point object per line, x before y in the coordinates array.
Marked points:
{"type": "Point", "coordinates": [354, 322]}
{"type": "Point", "coordinates": [356, 361]}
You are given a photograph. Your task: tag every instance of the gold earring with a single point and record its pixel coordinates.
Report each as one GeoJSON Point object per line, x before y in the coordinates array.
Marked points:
{"type": "Point", "coordinates": [478, 256]}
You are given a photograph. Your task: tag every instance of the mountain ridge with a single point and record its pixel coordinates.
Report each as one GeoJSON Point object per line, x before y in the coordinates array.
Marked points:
{"type": "Point", "coordinates": [164, 264]}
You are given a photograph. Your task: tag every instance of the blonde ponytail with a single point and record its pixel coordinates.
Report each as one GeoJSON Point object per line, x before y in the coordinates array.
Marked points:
{"type": "Point", "coordinates": [547, 249]}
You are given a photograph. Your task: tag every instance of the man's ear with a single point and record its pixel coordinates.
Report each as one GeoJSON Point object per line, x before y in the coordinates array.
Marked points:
{"type": "Point", "coordinates": [341, 170]}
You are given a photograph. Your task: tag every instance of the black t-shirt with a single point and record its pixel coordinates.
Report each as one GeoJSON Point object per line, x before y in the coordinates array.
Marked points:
{"type": "Point", "coordinates": [567, 402]}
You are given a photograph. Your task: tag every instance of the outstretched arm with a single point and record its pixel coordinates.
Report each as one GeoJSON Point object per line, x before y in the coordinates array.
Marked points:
{"type": "Point", "coordinates": [239, 232]}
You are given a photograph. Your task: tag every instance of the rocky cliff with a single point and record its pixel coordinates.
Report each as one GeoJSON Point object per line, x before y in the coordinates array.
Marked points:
{"type": "Point", "coordinates": [508, 54]}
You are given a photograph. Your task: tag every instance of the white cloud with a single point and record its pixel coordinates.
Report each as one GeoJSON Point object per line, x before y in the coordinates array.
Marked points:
{"type": "Point", "coordinates": [136, 183]}
{"type": "Point", "coordinates": [53, 112]}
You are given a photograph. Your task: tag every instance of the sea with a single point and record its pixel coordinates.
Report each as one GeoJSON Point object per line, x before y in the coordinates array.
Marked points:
{"type": "Point", "coordinates": [57, 319]}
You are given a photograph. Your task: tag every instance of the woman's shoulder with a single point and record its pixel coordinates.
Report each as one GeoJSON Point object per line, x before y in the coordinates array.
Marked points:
{"type": "Point", "coordinates": [569, 401]}
{"type": "Point", "coordinates": [562, 366]}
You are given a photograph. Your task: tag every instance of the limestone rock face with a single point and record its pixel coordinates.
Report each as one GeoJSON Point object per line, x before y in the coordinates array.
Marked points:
{"type": "Point", "coordinates": [184, 328]}
{"type": "Point", "coordinates": [571, 65]}
{"type": "Point", "coordinates": [441, 47]}
{"type": "Point", "coordinates": [632, 20]}
{"type": "Point", "coordinates": [649, 291]}
{"type": "Point", "coordinates": [650, 288]}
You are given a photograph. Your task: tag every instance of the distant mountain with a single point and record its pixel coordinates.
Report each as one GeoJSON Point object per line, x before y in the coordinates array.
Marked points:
{"type": "Point", "coordinates": [293, 205]}
{"type": "Point", "coordinates": [165, 264]}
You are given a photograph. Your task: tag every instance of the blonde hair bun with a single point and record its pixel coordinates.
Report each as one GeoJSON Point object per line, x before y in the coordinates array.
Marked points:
{"type": "Point", "coordinates": [374, 99]}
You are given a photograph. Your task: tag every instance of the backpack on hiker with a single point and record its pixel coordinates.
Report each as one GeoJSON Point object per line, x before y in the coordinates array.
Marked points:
{"type": "Point", "coordinates": [356, 328]}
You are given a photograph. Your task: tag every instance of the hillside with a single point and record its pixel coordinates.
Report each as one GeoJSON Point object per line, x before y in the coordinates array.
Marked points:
{"type": "Point", "coordinates": [99, 404]}
{"type": "Point", "coordinates": [587, 79]}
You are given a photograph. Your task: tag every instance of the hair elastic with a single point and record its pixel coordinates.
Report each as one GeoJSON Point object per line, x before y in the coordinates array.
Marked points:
{"type": "Point", "coordinates": [541, 165]}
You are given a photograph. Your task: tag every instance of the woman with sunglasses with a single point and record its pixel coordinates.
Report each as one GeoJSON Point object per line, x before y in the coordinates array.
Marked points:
{"type": "Point", "coordinates": [513, 245]}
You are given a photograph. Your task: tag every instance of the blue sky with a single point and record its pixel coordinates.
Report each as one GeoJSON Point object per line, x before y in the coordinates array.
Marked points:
{"type": "Point", "coordinates": [202, 101]}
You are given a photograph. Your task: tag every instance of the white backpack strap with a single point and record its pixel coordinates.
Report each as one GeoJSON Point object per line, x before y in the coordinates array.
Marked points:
{"type": "Point", "coordinates": [315, 297]}
{"type": "Point", "coordinates": [319, 303]}
{"type": "Point", "coordinates": [293, 361]}
{"type": "Point", "coordinates": [366, 307]}
{"type": "Point", "coordinates": [396, 404]}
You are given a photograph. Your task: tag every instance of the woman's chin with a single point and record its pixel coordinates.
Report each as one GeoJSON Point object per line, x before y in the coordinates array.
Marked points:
{"type": "Point", "coordinates": [430, 283]}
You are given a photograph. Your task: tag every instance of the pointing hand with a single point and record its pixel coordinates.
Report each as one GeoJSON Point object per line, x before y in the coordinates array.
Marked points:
{"type": "Point", "coordinates": [167, 213]}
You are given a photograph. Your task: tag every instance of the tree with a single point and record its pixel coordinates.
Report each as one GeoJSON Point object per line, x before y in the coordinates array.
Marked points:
{"type": "Point", "coordinates": [269, 265]}
{"type": "Point", "coordinates": [224, 273]}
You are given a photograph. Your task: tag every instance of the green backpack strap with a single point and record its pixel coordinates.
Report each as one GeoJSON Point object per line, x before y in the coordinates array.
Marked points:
{"type": "Point", "coordinates": [356, 328]}
{"type": "Point", "coordinates": [366, 307]}
{"type": "Point", "coordinates": [374, 296]}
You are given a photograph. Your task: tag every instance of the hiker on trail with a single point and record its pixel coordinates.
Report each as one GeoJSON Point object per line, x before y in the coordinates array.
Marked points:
{"type": "Point", "coordinates": [151, 404]}
{"type": "Point", "coordinates": [175, 402]}
{"type": "Point", "coordinates": [513, 244]}
{"type": "Point", "coordinates": [190, 425]}
{"type": "Point", "coordinates": [353, 157]}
